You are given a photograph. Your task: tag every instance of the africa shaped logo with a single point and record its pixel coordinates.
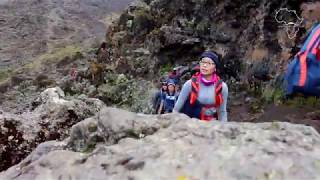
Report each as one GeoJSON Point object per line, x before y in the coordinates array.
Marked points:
{"type": "Point", "coordinates": [290, 20]}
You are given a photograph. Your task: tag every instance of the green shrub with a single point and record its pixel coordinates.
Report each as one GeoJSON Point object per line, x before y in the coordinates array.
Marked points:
{"type": "Point", "coordinates": [273, 95]}
{"type": "Point", "coordinates": [165, 69]}
{"type": "Point", "coordinates": [301, 101]}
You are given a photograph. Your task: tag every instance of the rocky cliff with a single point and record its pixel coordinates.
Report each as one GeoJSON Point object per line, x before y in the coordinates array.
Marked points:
{"type": "Point", "coordinates": [150, 37]}
{"type": "Point", "coordinates": [251, 37]}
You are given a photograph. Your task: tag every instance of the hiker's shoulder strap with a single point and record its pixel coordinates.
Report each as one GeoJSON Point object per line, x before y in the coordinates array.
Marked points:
{"type": "Point", "coordinates": [194, 84]}
{"type": "Point", "coordinates": [194, 79]}
{"type": "Point", "coordinates": [218, 87]}
{"type": "Point", "coordinates": [194, 89]}
{"type": "Point", "coordinates": [218, 92]}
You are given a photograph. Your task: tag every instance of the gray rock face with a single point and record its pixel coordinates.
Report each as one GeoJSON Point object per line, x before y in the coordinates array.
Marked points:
{"type": "Point", "coordinates": [50, 119]}
{"type": "Point", "coordinates": [133, 146]}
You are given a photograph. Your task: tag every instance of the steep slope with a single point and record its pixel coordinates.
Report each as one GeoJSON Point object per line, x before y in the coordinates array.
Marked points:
{"type": "Point", "coordinates": [29, 28]}
{"type": "Point", "coordinates": [41, 40]}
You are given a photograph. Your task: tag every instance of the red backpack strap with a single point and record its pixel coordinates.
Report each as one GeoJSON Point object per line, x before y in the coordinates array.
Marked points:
{"type": "Point", "coordinates": [318, 52]}
{"type": "Point", "coordinates": [316, 48]}
{"type": "Point", "coordinates": [195, 87]}
{"type": "Point", "coordinates": [218, 93]}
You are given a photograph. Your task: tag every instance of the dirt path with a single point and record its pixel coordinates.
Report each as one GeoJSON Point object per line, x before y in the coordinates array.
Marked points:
{"type": "Point", "coordinates": [273, 113]}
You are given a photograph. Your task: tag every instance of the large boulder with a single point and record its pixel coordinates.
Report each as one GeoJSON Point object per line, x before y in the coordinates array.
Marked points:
{"type": "Point", "coordinates": [50, 119]}
{"type": "Point", "coordinates": [173, 146]}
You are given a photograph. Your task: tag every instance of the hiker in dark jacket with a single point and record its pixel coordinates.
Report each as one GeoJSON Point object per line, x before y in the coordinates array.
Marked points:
{"type": "Point", "coordinates": [159, 96]}
{"type": "Point", "coordinates": [170, 98]}
{"type": "Point", "coordinates": [175, 76]}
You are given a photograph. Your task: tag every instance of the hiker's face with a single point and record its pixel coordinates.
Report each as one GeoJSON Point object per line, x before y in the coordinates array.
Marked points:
{"type": "Point", "coordinates": [207, 66]}
{"type": "Point", "coordinates": [164, 87]}
{"type": "Point", "coordinates": [171, 88]}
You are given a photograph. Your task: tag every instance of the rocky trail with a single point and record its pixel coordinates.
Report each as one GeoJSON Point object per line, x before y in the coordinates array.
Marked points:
{"type": "Point", "coordinates": [303, 114]}
{"type": "Point", "coordinates": [116, 144]}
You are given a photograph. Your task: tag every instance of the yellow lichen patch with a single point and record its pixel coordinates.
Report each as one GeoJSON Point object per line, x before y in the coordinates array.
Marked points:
{"type": "Point", "coordinates": [182, 178]}
{"type": "Point", "coordinates": [316, 163]}
{"type": "Point", "coordinates": [5, 74]}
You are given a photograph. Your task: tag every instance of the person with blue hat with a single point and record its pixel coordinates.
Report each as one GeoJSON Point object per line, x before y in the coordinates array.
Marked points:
{"type": "Point", "coordinates": [205, 95]}
{"type": "Point", "coordinates": [169, 99]}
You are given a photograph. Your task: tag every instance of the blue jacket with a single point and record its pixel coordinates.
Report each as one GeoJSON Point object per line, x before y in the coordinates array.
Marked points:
{"type": "Point", "coordinates": [160, 95]}
{"type": "Point", "coordinates": [168, 102]}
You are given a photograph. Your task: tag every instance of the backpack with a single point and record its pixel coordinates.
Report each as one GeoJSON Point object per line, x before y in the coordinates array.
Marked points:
{"type": "Point", "coordinates": [195, 68]}
{"type": "Point", "coordinates": [195, 87]}
{"type": "Point", "coordinates": [193, 108]}
{"type": "Point", "coordinates": [303, 73]}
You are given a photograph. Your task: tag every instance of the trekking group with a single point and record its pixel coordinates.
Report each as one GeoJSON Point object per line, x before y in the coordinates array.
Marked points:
{"type": "Point", "coordinates": [204, 96]}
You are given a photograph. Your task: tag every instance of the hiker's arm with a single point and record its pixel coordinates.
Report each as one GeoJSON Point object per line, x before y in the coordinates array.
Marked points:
{"type": "Point", "coordinates": [183, 96]}
{"type": "Point", "coordinates": [223, 115]}
{"type": "Point", "coordinates": [154, 99]}
{"type": "Point", "coordinates": [160, 108]}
